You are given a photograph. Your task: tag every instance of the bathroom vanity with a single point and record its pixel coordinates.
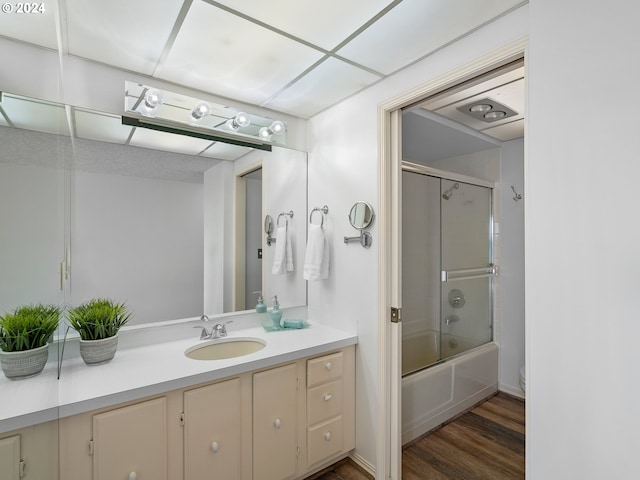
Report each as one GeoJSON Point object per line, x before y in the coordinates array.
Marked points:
{"type": "Point", "coordinates": [152, 413]}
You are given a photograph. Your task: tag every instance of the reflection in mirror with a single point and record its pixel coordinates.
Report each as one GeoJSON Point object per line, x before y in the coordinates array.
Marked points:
{"type": "Point", "coordinates": [152, 215]}
{"type": "Point", "coordinates": [361, 215]}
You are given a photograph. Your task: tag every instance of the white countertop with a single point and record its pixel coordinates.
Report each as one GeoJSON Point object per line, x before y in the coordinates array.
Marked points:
{"type": "Point", "coordinates": [141, 369]}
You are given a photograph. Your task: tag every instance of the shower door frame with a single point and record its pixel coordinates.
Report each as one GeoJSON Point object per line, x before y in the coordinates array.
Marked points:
{"type": "Point", "coordinates": [417, 168]}
{"type": "Point", "coordinates": [389, 375]}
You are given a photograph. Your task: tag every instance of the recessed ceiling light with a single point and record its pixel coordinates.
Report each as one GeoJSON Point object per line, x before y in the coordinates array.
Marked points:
{"type": "Point", "coordinates": [480, 108]}
{"type": "Point", "coordinates": [487, 110]}
{"type": "Point", "coordinates": [496, 114]}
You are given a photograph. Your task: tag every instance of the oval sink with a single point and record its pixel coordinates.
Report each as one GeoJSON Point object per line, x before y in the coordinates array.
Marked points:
{"type": "Point", "coordinates": [225, 348]}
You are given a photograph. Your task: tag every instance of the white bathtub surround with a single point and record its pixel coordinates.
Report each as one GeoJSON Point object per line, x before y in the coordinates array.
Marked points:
{"type": "Point", "coordinates": [438, 393]}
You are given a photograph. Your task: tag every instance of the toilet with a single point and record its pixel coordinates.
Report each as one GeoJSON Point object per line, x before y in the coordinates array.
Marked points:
{"type": "Point", "coordinates": [522, 379]}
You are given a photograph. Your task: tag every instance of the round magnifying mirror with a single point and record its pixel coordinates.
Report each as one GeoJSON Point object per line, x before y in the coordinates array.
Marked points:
{"type": "Point", "coordinates": [361, 215]}
{"type": "Point", "coordinates": [268, 224]}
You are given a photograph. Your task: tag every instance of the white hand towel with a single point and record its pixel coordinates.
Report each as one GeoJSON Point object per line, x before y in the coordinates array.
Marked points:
{"type": "Point", "coordinates": [280, 253]}
{"type": "Point", "coordinates": [316, 259]}
{"type": "Point", "coordinates": [289, 249]}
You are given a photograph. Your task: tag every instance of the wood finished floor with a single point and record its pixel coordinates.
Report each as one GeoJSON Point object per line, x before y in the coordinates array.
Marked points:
{"type": "Point", "coordinates": [486, 443]}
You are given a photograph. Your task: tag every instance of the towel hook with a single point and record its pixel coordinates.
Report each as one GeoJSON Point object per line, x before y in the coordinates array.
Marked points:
{"type": "Point", "coordinates": [323, 210]}
{"type": "Point", "coordinates": [516, 196]}
{"type": "Point", "coordinates": [284, 214]}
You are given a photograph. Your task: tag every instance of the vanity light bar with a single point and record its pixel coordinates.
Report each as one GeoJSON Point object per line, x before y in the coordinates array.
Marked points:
{"type": "Point", "coordinates": [159, 126]}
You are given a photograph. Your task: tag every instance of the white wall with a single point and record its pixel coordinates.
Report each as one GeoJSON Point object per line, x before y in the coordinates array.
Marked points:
{"type": "Point", "coordinates": [582, 240]}
{"type": "Point", "coordinates": [343, 168]}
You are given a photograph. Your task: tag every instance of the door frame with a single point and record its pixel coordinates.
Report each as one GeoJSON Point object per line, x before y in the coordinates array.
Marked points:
{"type": "Point", "coordinates": [389, 391]}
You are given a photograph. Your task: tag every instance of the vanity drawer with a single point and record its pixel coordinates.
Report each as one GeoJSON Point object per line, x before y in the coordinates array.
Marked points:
{"type": "Point", "coordinates": [324, 440]}
{"type": "Point", "coordinates": [324, 401]}
{"type": "Point", "coordinates": [323, 369]}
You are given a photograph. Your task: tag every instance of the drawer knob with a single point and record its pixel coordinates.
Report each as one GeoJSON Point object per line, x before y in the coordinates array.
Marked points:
{"type": "Point", "coordinates": [327, 436]}
{"type": "Point", "coordinates": [215, 447]}
{"type": "Point", "coordinates": [277, 423]}
{"type": "Point", "coordinates": [327, 397]}
{"type": "Point", "coordinates": [133, 476]}
{"type": "Point", "coordinates": [328, 366]}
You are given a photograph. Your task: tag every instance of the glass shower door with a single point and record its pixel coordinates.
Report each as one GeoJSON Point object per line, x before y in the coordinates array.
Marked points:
{"type": "Point", "coordinates": [467, 267]}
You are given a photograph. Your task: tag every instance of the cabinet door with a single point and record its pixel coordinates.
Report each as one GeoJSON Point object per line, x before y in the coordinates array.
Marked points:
{"type": "Point", "coordinates": [10, 458]}
{"type": "Point", "coordinates": [212, 432]}
{"type": "Point", "coordinates": [130, 443]}
{"type": "Point", "coordinates": [274, 423]}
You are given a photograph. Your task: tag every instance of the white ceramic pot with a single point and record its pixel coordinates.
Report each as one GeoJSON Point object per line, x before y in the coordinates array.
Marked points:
{"type": "Point", "coordinates": [24, 364]}
{"type": "Point", "coordinates": [95, 352]}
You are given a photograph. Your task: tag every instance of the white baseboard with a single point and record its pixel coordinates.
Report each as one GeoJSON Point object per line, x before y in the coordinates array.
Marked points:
{"type": "Point", "coordinates": [363, 463]}
{"type": "Point", "coordinates": [514, 392]}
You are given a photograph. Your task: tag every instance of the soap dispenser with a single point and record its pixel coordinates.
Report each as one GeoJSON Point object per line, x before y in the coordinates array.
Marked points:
{"type": "Point", "coordinates": [261, 307]}
{"type": "Point", "coordinates": [276, 313]}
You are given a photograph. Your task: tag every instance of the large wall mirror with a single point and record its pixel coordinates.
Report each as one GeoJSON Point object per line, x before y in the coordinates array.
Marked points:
{"type": "Point", "coordinates": [172, 225]}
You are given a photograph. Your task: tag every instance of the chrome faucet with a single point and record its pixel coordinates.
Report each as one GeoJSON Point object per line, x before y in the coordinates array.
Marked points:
{"type": "Point", "coordinates": [219, 330]}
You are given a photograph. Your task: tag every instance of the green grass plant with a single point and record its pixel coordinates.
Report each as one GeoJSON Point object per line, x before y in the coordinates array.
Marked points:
{"type": "Point", "coordinates": [98, 318]}
{"type": "Point", "coordinates": [28, 327]}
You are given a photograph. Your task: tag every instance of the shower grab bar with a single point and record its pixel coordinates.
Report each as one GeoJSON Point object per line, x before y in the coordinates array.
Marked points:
{"type": "Point", "coordinates": [469, 273]}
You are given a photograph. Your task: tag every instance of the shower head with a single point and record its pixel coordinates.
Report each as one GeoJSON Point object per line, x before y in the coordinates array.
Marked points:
{"type": "Point", "coordinates": [447, 194]}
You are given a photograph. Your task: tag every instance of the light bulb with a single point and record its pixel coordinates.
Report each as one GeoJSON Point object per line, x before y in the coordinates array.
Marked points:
{"type": "Point", "coordinates": [152, 99]}
{"type": "Point", "coordinates": [265, 133]}
{"type": "Point", "coordinates": [200, 111]}
{"type": "Point", "coordinates": [240, 120]}
{"type": "Point", "coordinates": [277, 127]}
{"type": "Point", "coordinates": [480, 108]}
{"type": "Point", "coordinates": [496, 114]}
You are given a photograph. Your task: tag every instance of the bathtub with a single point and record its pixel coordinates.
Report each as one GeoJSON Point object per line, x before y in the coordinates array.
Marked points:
{"type": "Point", "coordinates": [435, 394]}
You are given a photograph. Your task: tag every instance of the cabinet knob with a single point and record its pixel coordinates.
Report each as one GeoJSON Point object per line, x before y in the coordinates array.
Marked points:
{"type": "Point", "coordinates": [327, 397]}
{"type": "Point", "coordinates": [327, 436]}
{"type": "Point", "coordinates": [215, 447]}
{"type": "Point", "coordinates": [328, 366]}
{"type": "Point", "coordinates": [277, 423]}
{"type": "Point", "coordinates": [133, 476]}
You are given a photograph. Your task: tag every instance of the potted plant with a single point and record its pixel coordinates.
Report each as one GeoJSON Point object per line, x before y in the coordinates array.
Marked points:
{"type": "Point", "coordinates": [23, 339]}
{"type": "Point", "coordinates": [98, 321]}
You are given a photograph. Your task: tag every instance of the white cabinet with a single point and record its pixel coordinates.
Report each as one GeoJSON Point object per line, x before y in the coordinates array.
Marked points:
{"type": "Point", "coordinates": [130, 443]}
{"type": "Point", "coordinates": [275, 412]}
{"type": "Point", "coordinates": [30, 453]}
{"type": "Point", "coordinates": [212, 432]}
{"type": "Point", "coordinates": [330, 394]}
{"type": "Point", "coordinates": [281, 423]}
{"type": "Point", "coordinates": [10, 458]}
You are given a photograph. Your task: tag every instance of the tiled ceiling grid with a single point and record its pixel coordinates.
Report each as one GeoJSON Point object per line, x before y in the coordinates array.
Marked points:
{"type": "Point", "coordinates": [294, 56]}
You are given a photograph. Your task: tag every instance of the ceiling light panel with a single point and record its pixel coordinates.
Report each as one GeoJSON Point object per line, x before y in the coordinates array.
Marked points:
{"type": "Point", "coordinates": [168, 142]}
{"type": "Point", "coordinates": [35, 115]}
{"type": "Point", "coordinates": [324, 24]}
{"type": "Point", "coordinates": [38, 28]}
{"type": "Point", "coordinates": [330, 82]}
{"type": "Point", "coordinates": [415, 28]}
{"type": "Point", "coordinates": [224, 151]}
{"type": "Point", "coordinates": [101, 127]}
{"type": "Point", "coordinates": [104, 31]}
{"type": "Point", "coordinates": [219, 52]}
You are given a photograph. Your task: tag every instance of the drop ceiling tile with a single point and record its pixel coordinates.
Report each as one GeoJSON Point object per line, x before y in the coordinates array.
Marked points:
{"type": "Point", "coordinates": [37, 28]}
{"type": "Point", "coordinates": [226, 151]}
{"type": "Point", "coordinates": [330, 82]}
{"type": "Point", "coordinates": [216, 51]}
{"type": "Point", "coordinates": [100, 126]}
{"type": "Point", "coordinates": [126, 34]}
{"type": "Point", "coordinates": [415, 28]}
{"type": "Point", "coordinates": [35, 115]}
{"type": "Point", "coordinates": [169, 142]}
{"type": "Point", "coordinates": [324, 24]}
